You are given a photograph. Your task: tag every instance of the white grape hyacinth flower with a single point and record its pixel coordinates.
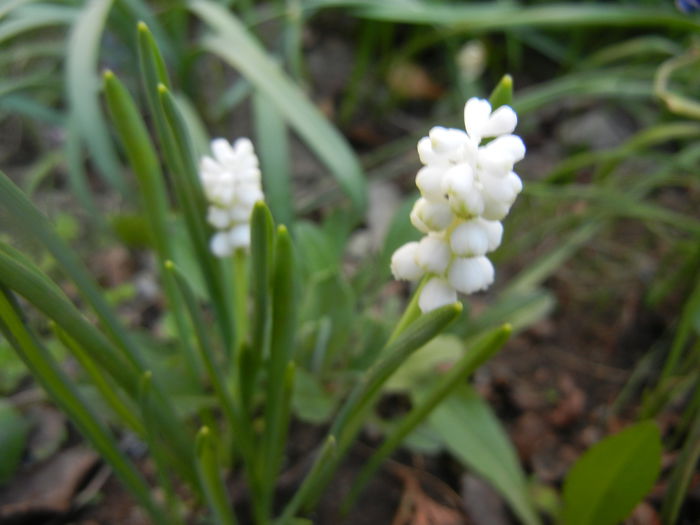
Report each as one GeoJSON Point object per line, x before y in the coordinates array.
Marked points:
{"type": "Point", "coordinates": [467, 186]}
{"type": "Point", "coordinates": [232, 185]}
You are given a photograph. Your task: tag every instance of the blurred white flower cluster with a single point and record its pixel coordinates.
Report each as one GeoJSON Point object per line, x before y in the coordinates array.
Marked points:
{"type": "Point", "coordinates": [466, 188]}
{"type": "Point", "coordinates": [231, 182]}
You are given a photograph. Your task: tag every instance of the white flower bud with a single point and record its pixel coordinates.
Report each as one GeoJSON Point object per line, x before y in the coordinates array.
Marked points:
{"type": "Point", "coordinates": [471, 274]}
{"type": "Point", "coordinates": [427, 155]}
{"type": "Point", "coordinates": [436, 293]}
{"type": "Point", "coordinates": [219, 218]}
{"type": "Point", "coordinates": [495, 210]}
{"type": "Point", "coordinates": [220, 244]}
{"type": "Point", "coordinates": [494, 232]}
{"type": "Point", "coordinates": [503, 189]}
{"type": "Point", "coordinates": [433, 254]}
{"type": "Point", "coordinates": [448, 142]}
{"type": "Point", "coordinates": [403, 263]}
{"type": "Point", "coordinates": [476, 117]}
{"type": "Point", "coordinates": [501, 122]}
{"type": "Point", "coordinates": [464, 197]}
{"type": "Point", "coordinates": [499, 155]}
{"type": "Point", "coordinates": [470, 239]}
{"type": "Point", "coordinates": [239, 236]}
{"type": "Point", "coordinates": [429, 182]}
{"type": "Point", "coordinates": [435, 216]}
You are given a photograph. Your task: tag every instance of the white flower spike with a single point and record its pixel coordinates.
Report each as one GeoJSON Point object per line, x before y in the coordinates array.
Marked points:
{"type": "Point", "coordinates": [231, 183]}
{"type": "Point", "coordinates": [466, 188]}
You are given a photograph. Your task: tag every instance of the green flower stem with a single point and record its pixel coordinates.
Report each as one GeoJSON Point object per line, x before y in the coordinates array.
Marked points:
{"type": "Point", "coordinates": [324, 456]}
{"type": "Point", "coordinates": [210, 478]}
{"type": "Point", "coordinates": [349, 421]}
{"type": "Point", "coordinates": [60, 388]}
{"type": "Point", "coordinates": [104, 386]}
{"type": "Point", "coordinates": [281, 349]}
{"type": "Point", "coordinates": [146, 167]}
{"type": "Point", "coordinates": [473, 358]}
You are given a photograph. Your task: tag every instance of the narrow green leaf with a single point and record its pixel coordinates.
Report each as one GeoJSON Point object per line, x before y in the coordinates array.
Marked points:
{"type": "Point", "coordinates": [473, 358]}
{"type": "Point", "coordinates": [283, 325]}
{"type": "Point", "coordinates": [14, 430]}
{"type": "Point", "coordinates": [473, 435]}
{"type": "Point", "coordinates": [683, 471]}
{"type": "Point", "coordinates": [21, 213]}
{"type": "Point", "coordinates": [502, 94]}
{"type": "Point", "coordinates": [606, 483]}
{"type": "Point", "coordinates": [261, 254]}
{"type": "Point", "coordinates": [273, 150]}
{"type": "Point", "coordinates": [501, 16]}
{"type": "Point", "coordinates": [101, 382]}
{"type": "Point", "coordinates": [144, 162]}
{"type": "Point", "coordinates": [83, 85]}
{"type": "Point", "coordinates": [354, 412]}
{"type": "Point", "coordinates": [63, 392]}
{"type": "Point", "coordinates": [236, 46]}
{"type": "Point", "coordinates": [191, 198]}
{"type": "Point", "coordinates": [211, 480]}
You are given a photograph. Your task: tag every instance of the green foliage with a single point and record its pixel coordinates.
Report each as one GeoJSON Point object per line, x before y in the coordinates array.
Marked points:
{"type": "Point", "coordinates": [13, 435]}
{"type": "Point", "coordinates": [607, 482]}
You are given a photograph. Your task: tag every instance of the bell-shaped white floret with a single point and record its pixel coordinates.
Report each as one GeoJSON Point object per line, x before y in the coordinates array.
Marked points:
{"type": "Point", "coordinates": [429, 182]}
{"type": "Point", "coordinates": [476, 117]}
{"type": "Point", "coordinates": [433, 254]}
{"type": "Point", "coordinates": [403, 263]}
{"type": "Point", "coordinates": [471, 274]}
{"type": "Point", "coordinates": [470, 239]}
{"type": "Point", "coordinates": [503, 189]}
{"type": "Point", "coordinates": [436, 293]}
{"type": "Point", "coordinates": [494, 233]}
{"type": "Point", "coordinates": [495, 210]}
{"type": "Point", "coordinates": [462, 193]}
{"type": "Point", "coordinates": [219, 218]}
{"type": "Point", "coordinates": [239, 236]}
{"type": "Point", "coordinates": [499, 155]}
{"type": "Point", "coordinates": [501, 122]}
{"type": "Point", "coordinates": [434, 216]}
{"type": "Point", "coordinates": [220, 244]}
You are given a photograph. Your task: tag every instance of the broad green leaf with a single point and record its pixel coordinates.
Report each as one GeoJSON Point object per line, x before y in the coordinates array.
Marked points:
{"type": "Point", "coordinates": [236, 46]}
{"type": "Point", "coordinates": [473, 434]}
{"type": "Point", "coordinates": [606, 483]}
{"type": "Point", "coordinates": [13, 435]}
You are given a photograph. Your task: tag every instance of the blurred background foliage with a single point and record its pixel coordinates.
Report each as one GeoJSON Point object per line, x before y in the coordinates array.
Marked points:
{"type": "Point", "coordinates": [608, 230]}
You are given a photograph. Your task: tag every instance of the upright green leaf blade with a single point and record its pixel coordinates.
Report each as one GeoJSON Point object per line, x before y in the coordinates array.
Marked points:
{"type": "Point", "coordinates": [607, 482]}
